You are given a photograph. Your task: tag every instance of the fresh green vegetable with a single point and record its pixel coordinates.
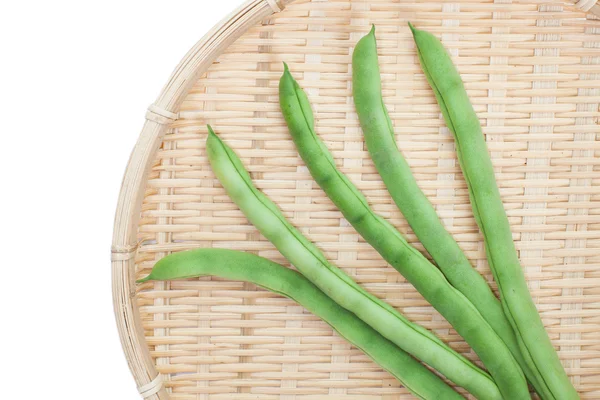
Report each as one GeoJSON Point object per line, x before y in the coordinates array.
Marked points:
{"type": "Point", "coordinates": [307, 258]}
{"type": "Point", "coordinates": [237, 265]}
{"type": "Point", "coordinates": [413, 203]}
{"type": "Point", "coordinates": [475, 162]}
{"type": "Point", "coordinates": [426, 278]}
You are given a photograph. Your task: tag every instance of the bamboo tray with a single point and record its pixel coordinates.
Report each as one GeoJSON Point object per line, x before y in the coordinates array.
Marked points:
{"type": "Point", "coordinates": [532, 69]}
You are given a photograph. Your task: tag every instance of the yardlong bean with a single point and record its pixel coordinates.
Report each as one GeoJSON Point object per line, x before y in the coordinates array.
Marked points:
{"type": "Point", "coordinates": [240, 266]}
{"type": "Point", "coordinates": [414, 205]}
{"type": "Point", "coordinates": [490, 215]}
{"type": "Point", "coordinates": [309, 260]}
{"type": "Point", "coordinates": [426, 278]}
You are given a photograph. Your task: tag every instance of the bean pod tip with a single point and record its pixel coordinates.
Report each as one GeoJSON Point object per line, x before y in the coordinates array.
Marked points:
{"type": "Point", "coordinates": [412, 28]}
{"type": "Point", "coordinates": [146, 279]}
{"type": "Point", "coordinates": [211, 132]}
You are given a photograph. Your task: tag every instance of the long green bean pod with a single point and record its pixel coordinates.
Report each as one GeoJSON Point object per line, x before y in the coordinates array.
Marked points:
{"type": "Point", "coordinates": [490, 215]}
{"type": "Point", "coordinates": [240, 266]}
{"type": "Point", "coordinates": [426, 278]}
{"type": "Point", "coordinates": [414, 205]}
{"type": "Point", "coordinates": [309, 260]}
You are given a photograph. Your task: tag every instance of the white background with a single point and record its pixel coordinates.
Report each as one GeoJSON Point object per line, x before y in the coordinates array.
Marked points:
{"type": "Point", "coordinates": [75, 80]}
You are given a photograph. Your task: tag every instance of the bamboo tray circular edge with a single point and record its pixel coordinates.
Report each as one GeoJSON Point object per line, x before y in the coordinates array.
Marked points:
{"type": "Point", "coordinates": [159, 115]}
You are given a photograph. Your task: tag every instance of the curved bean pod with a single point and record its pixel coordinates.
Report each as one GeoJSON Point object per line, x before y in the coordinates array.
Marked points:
{"type": "Point", "coordinates": [240, 266]}
{"type": "Point", "coordinates": [489, 213]}
{"type": "Point", "coordinates": [414, 205]}
{"type": "Point", "coordinates": [388, 242]}
{"type": "Point", "coordinates": [309, 260]}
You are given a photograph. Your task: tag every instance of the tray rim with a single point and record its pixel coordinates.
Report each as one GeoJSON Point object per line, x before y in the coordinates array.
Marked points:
{"type": "Point", "coordinates": [127, 216]}
{"type": "Point", "coordinates": [159, 116]}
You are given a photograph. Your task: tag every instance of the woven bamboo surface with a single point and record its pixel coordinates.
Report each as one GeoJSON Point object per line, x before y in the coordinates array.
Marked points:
{"type": "Point", "coordinates": [532, 70]}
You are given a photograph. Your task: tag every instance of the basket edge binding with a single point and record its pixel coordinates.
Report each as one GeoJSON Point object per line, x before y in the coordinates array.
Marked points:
{"type": "Point", "coordinates": [158, 118]}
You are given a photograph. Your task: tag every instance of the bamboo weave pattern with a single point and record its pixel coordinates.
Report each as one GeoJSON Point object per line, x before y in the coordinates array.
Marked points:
{"type": "Point", "coordinates": [532, 71]}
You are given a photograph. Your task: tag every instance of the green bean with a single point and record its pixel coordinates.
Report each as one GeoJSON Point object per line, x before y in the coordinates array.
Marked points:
{"type": "Point", "coordinates": [424, 276]}
{"type": "Point", "coordinates": [309, 260]}
{"type": "Point", "coordinates": [414, 205]}
{"type": "Point", "coordinates": [240, 266]}
{"type": "Point", "coordinates": [491, 218]}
